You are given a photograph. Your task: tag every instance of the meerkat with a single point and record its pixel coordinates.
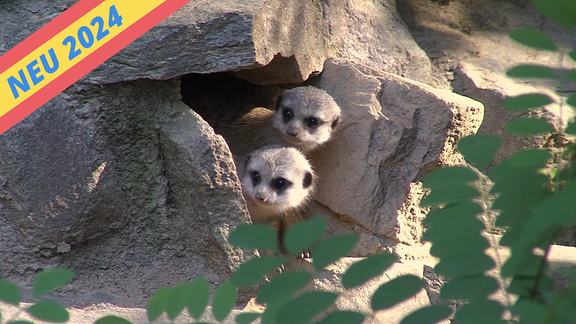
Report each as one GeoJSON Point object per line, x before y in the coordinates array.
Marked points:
{"type": "Point", "coordinates": [276, 182]}
{"type": "Point", "coordinates": [305, 118]}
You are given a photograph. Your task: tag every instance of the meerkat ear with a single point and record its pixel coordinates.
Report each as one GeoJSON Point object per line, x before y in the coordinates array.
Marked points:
{"type": "Point", "coordinates": [335, 122]}
{"type": "Point", "coordinates": [247, 161]}
{"type": "Point", "coordinates": [307, 180]}
{"type": "Point", "coordinates": [278, 101]}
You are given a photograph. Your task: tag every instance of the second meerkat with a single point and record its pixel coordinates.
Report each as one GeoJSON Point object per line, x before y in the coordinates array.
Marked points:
{"type": "Point", "coordinates": [305, 118]}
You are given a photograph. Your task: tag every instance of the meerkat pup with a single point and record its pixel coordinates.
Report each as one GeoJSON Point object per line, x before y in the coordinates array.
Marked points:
{"type": "Point", "coordinates": [275, 180]}
{"type": "Point", "coordinates": [305, 118]}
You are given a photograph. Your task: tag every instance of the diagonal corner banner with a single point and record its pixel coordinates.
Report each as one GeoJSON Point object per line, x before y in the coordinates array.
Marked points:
{"type": "Point", "coordinates": [70, 46]}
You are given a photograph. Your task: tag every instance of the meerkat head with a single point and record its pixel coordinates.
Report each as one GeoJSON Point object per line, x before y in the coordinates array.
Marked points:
{"type": "Point", "coordinates": [306, 116]}
{"type": "Point", "coordinates": [276, 179]}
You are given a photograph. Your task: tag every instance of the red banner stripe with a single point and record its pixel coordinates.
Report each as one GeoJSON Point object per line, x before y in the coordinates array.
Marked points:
{"type": "Point", "coordinates": [89, 63]}
{"type": "Point", "coordinates": [47, 31]}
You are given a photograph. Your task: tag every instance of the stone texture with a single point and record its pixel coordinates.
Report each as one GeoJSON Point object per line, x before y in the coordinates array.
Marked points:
{"type": "Point", "coordinates": [201, 37]}
{"type": "Point", "coordinates": [270, 41]}
{"type": "Point", "coordinates": [371, 33]}
{"type": "Point", "coordinates": [393, 132]}
{"type": "Point", "coordinates": [123, 184]}
{"type": "Point", "coordinates": [472, 53]}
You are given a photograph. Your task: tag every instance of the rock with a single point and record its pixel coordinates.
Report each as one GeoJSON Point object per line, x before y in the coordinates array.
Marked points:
{"type": "Point", "coordinates": [371, 33]}
{"type": "Point", "coordinates": [284, 40]}
{"type": "Point", "coordinates": [264, 41]}
{"type": "Point", "coordinates": [122, 184]}
{"type": "Point", "coordinates": [393, 132]}
{"type": "Point", "coordinates": [473, 52]}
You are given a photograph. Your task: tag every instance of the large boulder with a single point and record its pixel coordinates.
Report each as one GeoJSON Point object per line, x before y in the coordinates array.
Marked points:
{"type": "Point", "coordinates": [472, 52]}
{"type": "Point", "coordinates": [371, 33]}
{"type": "Point", "coordinates": [123, 184]}
{"type": "Point", "coordinates": [202, 37]}
{"type": "Point", "coordinates": [393, 132]}
{"type": "Point", "coordinates": [266, 42]}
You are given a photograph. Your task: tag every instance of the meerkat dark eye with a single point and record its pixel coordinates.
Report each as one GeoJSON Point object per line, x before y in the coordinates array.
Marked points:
{"type": "Point", "coordinates": [255, 177]}
{"type": "Point", "coordinates": [287, 115]}
{"type": "Point", "coordinates": [280, 184]}
{"type": "Point", "coordinates": [307, 180]}
{"type": "Point", "coordinates": [312, 122]}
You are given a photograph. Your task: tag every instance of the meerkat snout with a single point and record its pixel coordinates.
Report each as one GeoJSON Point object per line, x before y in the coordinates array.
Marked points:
{"type": "Point", "coordinates": [306, 116]}
{"type": "Point", "coordinates": [275, 179]}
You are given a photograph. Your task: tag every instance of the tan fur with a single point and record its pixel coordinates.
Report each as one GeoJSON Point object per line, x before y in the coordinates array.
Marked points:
{"type": "Point", "coordinates": [262, 127]}
{"type": "Point", "coordinates": [274, 163]}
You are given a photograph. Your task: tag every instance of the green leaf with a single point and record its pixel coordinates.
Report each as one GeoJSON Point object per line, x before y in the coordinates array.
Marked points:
{"type": "Point", "coordinates": [254, 236]}
{"type": "Point", "coordinates": [428, 315]}
{"type": "Point", "coordinates": [572, 100]}
{"type": "Point", "coordinates": [524, 286]}
{"type": "Point", "coordinates": [255, 269]}
{"type": "Point", "coordinates": [531, 71]}
{"type": "Point", "coordinates": [282, 286]}
{"type": "Point", "coordinates": [469, 288]}
{"type": "Point", "coordinates": [572, 55]}
{"type": "Point", "coordinates": [49, 311]}
{"type": "Point", "coordinates": [364, 270]}
{"type": "Point", "coordinates": [527, 101]}
{"type": "Point", "coordinates": [479, 149]}
{"type": "Point", "coordinates": [271, 311]}
{"type": "Point", "coordinates": [448, 214]}
{"type": "Point", "coordinates": [515, 198]}
{"type": "Point", "coordinates": [224, 299]}
{"type": "Point", "coordinates": [197, 297]}
{"type": "Point", "coordinates": [48, 280]}
{"type": "Point", "coordinates": [176, 301]}
{"type": "Point", "coordinates": [561, 11]}
{"type": "Point", "coordinates": [533, 38]}
{"type": "Point", "coordinates": [453, 194]}
{"type": "Point", "coordinates": [303, 308]}
{"type": "Point", "coordinates": [333, 248]}
{"type": "Point", "coordinates": [303, 234]}
{"type": "Point", "coordinates": [396, 291]}
{"type": "Point", "coordinates": [247, 318]}
{"type": "Point", "coordinates": [530, 312]}
{"type": "Point", "coordinates": [559, 209]}
{"type": "Point", "coordinates": [571, 75]}
{"type": "Point", "coordinates": [530, 157]}
{"type": "Point", "coordinates": [447, 229]}
{"type": "Point", "coordinates": [9, 293]}
{"type": "Point", "coordinates": [157, 303]}
{"type": "Point", "coordinates": [488, 310]}
{"type": "Point", "coordinates": [469, 265]}
{"type": "Point", "coordinates": [468, 243]}
{"type": "Point", "coordinates": [20, 322]}
{"type": "Point", "coordinates": [344, 317]}
{"type": "Point", "coordinates": [111, 319]}
{"type": "Point", "coordinates": [449, 177]}
{"type": "Point", "coordinates": [528, 126]}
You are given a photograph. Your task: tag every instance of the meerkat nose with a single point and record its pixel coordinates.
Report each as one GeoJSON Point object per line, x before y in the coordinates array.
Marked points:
{"type": "Point", "coordinates": [260, 197]}
{"type": "Point", "coordinates": [292, 132]}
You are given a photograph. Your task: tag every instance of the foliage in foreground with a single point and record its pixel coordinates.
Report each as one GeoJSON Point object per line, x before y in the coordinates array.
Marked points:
{"type": "Point", "coordinates": [532, 204]}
